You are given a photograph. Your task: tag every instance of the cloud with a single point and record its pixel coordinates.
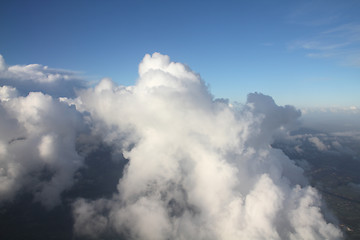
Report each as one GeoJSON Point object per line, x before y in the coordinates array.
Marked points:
{"type": "Point", "coordinates": [196, 168]}
{"type": "Point", "coordinates": [275, 119]}
{"type": "Point", "coordinates": [333, 35]}
{"type": "Point", "coordinates": [339, 42]}
{"type": "Point", "coordinates": [37, 146]}
{"type": "Point", "coordinates": [7, 93]}
{"type": "Point", "coordinates": [314, 14]}
{"type": "Point", "coordinates": [318, 143]}
{"type": "Point", "coordinates": [199, 168]}
{"type": "Point", "coordinates": [38, 78]}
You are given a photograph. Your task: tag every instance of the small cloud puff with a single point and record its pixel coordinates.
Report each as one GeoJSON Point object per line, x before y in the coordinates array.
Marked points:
{"type": "Point", "coordinates": [318, 143]}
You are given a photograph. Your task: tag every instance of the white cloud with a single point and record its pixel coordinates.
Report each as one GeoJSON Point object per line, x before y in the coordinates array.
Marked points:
{"type": "Point", "coordinates": [3, 66]}
{"type": "Point", "coordinates": [198, 168]}
{"type": "Point", "coordinates": [37, 146]}
{"type": "Point", "coordinates": [35, 77]}
{"type": "Point", "coordinates": [7, 93]}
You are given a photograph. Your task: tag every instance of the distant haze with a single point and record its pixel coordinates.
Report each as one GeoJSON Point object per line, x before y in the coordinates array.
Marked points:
{"type": "Point", "coordinates": [332, 119]}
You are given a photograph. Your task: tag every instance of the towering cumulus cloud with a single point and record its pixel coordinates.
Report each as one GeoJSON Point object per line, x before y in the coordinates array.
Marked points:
{"type": "Point", "coordinates": [199, 168]}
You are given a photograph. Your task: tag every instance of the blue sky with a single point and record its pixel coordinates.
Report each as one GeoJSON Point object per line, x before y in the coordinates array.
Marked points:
{"type": "Point", "coordinates": [304, 53]}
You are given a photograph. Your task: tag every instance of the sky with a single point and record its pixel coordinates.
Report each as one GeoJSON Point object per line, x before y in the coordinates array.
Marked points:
{"type": "Point", "coordinates": [303, 53]}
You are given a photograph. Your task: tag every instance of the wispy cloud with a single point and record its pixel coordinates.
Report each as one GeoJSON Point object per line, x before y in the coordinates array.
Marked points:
{"type": "Point", "coordinates": [349, 30]}
{"type": "Point", "coordinates": [328, 31]}
{"type": "Point", "coordinates": [341, 43]}
{"type": "Point", "coordinates": [313, 14]}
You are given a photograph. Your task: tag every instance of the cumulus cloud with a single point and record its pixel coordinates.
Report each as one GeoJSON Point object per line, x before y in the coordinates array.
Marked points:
{"type": "Point", "coordinates": [198, 168]}
{"type": "Point", "coordinates": [38, 78]}
{"type": "Point", "coordinates": [37, 145]}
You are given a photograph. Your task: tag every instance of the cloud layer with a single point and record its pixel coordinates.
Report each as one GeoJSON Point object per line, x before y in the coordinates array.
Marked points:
{"type": "Point", "coordinates": [35, 77]}
{"type": "Point", "coordinates": [199, 167]}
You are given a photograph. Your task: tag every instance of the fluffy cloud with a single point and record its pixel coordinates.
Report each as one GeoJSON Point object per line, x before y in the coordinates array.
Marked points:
{"type": "Point", "coordinates": [35, 77]}
{"type": "Point", "coordinates": [198, 168]}
{"type": "Point", "coordinates": [37, 145]}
